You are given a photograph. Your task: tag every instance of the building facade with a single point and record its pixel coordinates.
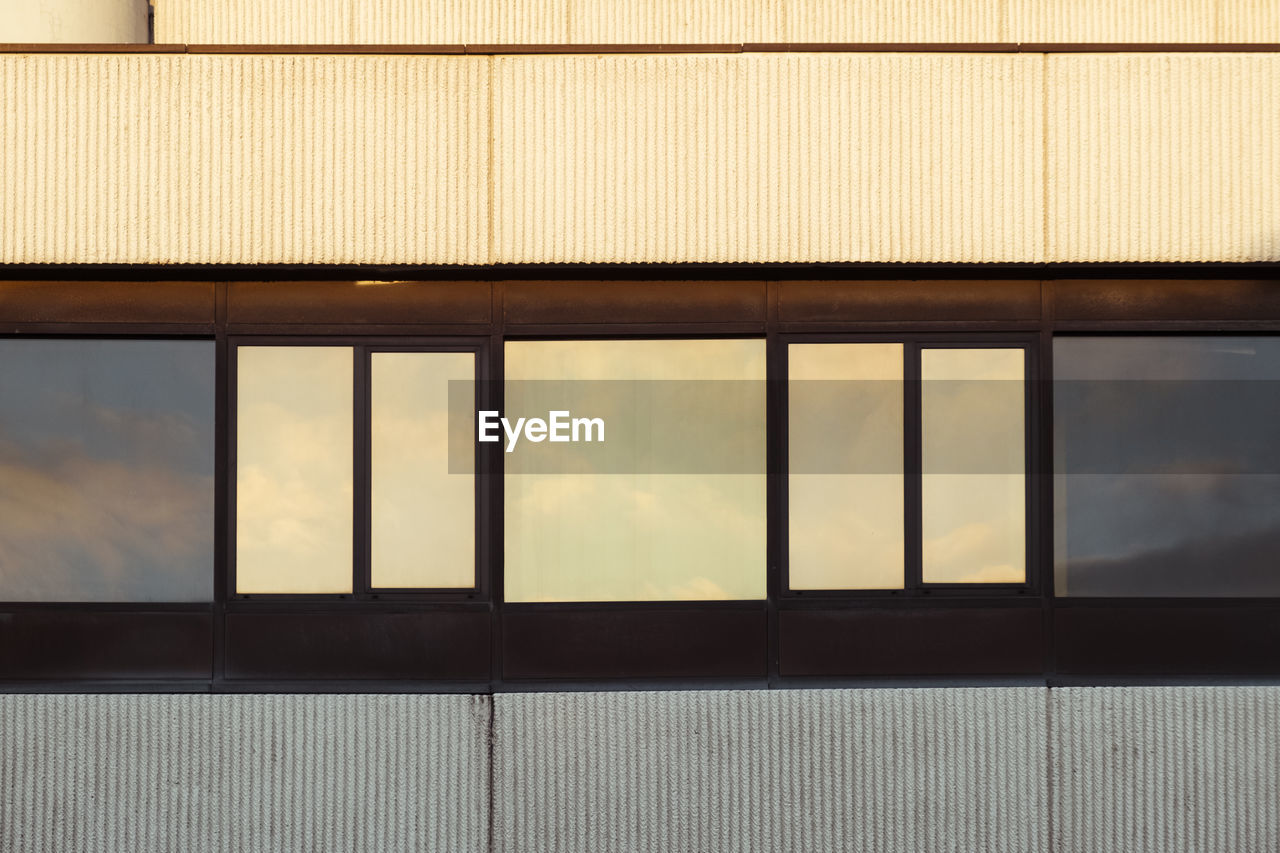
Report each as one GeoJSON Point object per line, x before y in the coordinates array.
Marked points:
{"type": "Point", "coordinates": [941, 338]}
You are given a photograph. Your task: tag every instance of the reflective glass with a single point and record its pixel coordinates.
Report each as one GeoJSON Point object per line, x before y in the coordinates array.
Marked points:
{"type": "Point", "coordinates": [845, 463]}
{"type": "Point", "coordinates": [294, 469]}
{"type": "Point", "coordinates": [422, 516]}
{"type": "Point", "coordinates": [1167, 468]}
{"type": "Point", "coordinates": [973, 457]}
{"type": "Point", "coordinates": [648, 531]}
{"type": "Point", "coordinates": [106, 470]}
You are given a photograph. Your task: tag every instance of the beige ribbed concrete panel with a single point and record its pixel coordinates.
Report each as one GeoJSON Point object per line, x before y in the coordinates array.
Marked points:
{"type": "Point", "coordinates": [1249, 21]}
{"type": "Point", "coordinates": [352, 22]}
{"type": "Point", "coordinates": [232, 773]}
{"type": "Point", "coordinates": [1166, 769]}
{"type": "Point", "coordinates": [897, 21]}
{"type": "Point", "coordinates": [1163, 157]}
{"type": "Point", "coordinates": [677, 21]}
{"type": "Point", "coordinates": [884, 770]}
{"type": "Point", "coordinates": [783, 157]}
{"type": "Point", "coordinates": [244, 159]}
{"type": "Point", "coordinates": [74, 21]}
{"type": "Point", "coordinates": [1121, 20]}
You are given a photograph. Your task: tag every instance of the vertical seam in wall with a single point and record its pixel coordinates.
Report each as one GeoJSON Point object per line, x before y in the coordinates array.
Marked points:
{"type": "Point", "coordinates": [489, 179]}
{"type": "Point", "coordinates": [1048, 766]}
{"type": "Point", "coordinates": [1044, 158]}
{"type": "Point", "coordinates": [493, 799]}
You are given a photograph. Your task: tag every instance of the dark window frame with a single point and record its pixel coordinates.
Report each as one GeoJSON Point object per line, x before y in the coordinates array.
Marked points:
{"type": "Point", "coordinates": [914, 585]}
{"type": "Point", "coordinates": [362, 349]}
{"type": "Point", "coordinates": [445, 646]}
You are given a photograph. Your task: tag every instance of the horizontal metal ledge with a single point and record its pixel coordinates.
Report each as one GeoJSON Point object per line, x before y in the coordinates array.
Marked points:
{"type": "Point", "coordinates": [745, 47]}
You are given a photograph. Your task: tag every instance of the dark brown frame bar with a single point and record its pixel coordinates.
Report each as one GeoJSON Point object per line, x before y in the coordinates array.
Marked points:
{"type": "Point", "coordinates": [480, 644]}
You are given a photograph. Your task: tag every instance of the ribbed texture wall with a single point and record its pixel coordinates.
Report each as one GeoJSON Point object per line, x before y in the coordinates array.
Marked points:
{"type": "Point", "coordinates": [1124, 20]}
{"type": "Point", "coordinates": [351, 22]}
{"type": "Point", "coordinates": [1166, 769]}
{"type": "Point", "coordinates": [884, 770]}
{"type": "Point", "coordinates": [925, 157]}
{"type": "Point", "coordinates": [711, 21]}
{"type": "Point", "coordinates": [219, 159]}
{"type": "Point", "coordinates": [897, 21]}
{"type": "Point", "coordinates": [1164, 157]}
{"type": "Point", "coordinates": [235, 773]}
{"type": "Point", "coordinates": [280, 159]}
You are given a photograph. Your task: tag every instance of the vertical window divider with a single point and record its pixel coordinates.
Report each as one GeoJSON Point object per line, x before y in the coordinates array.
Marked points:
{"type": "Point", "coordinates": [361, 477]}
{"type": "Point", "coordinates": [912, 468]}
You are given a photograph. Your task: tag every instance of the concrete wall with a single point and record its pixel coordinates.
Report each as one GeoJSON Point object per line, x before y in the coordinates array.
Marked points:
{"type": "Point", "coordinates": [74, 21]}
{"type": "Point", "coordinates": [225, 159]}
{"type": "Point", "coordinates": [712, 21]}
{"type": "Point", "coordinates": [1163, 770]}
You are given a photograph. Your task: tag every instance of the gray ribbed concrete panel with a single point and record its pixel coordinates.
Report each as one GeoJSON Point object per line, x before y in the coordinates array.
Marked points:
{"type": "Point", "coordinates": [1166, 769]}
{"type": "Point", "coordinates": [884, 770]}
{"type": "Point", "coordinates": [201, 772]}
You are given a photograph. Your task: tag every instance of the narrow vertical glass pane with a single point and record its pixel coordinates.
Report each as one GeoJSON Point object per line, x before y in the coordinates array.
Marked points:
{"type": "Point", "coordinates": [106, 470]}
{"type": "Point", "coordinates": [974, 465]}
{"type": "Point", "coordinates": [294, 469]}
{"type": "Point", "coordinates": [845, 480]}
{"type": "Point", "coordinates": [641, 534]}
{"type": "Point", "coordinates": [422, 516]}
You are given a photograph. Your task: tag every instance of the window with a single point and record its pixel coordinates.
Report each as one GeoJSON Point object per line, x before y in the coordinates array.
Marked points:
{"type": "Point", "coordinates": [1167, 477]}
{"type": "Point", "coordinates": [106, 470]}
{"type": "Point", "coordinates": [896, 484]}
{"type": "Point", "coordinates": [343, 478]}
{"type": "Point", "coordinates": [671, 505]}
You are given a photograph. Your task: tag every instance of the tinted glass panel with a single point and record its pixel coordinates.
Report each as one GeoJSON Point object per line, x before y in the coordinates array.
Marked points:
{"type": "Point", "coordinates": [106, 470]}
{"type": "Point", "coordinates": [845, 463]}
{"type": "Point", "coordinates": [973, 458]}
{"type": "Point", "coordinates": [294, 470]}
{"type": "Point", "coordinates": [422, 516]}
{"type": "Point", "coordinates": [648, 532]}
{"type": "Point", "coordinates": [1167, 466]}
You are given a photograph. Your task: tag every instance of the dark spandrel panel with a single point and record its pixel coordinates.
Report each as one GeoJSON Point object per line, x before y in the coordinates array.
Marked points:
{"type": "Point", "coordinates": [907, 301]}
{"type": "Point", "coordinates": [106, 302]}
{"type": "Point", "coordinates": [915, 640]}
{"type": "Point", "coordinates": [561, 302]}
{"type": "Point", "coordinates": [436, 644]}
{"type": "Point", "coordinates": [1167, 467]}
{"type": "Point", "coordinates": [385, 302]}
{"type": "Point", "coordinates": [44, 644]}
{"type": "Point", "coordinates": [106, 470]}
{"type": "Point", "coordinates": [1166, 299]}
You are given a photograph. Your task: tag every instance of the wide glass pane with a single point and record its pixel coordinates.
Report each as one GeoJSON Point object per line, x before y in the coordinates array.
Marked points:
{"type": "Point", "coordinates": [294, 469]}
{"type": "Point", "coordinates": [845, 480]}
{"type": "Point", "coordinates": [1167, 468]}
{"type": "Point", "coordinates": [422, 516]}
{"type": "Point", "coordinates": [973, 457]}
{"type": "Point", "coordinates": [106, 470]}
{"type": "Point", "coordinates": [679, 510]}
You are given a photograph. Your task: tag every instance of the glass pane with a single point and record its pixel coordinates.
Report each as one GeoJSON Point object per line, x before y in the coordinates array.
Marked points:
{"type": "Point", "coordinates": [651, 532]}
{"type": "Point", "coordinates": [1167, 466]}
{"type": "Point", "coordinates": [106, 470]}
{"type": "Point", "coordinates": [422, 516]}
{"type": "Point", "coordinates": [973, 459]}
{"type": "Point", "coordinates": [294, 469]}
{"type": "Point", "coordinates": [845, 481]}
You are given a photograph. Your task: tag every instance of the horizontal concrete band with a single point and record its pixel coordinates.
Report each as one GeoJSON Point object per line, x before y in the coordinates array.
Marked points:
{"type": "Point", "coordinates": [1165, 770]}
{"type": "Point", "coordinates": [754, 158]}
{"type": "Point", "coordinates": [660, 21]}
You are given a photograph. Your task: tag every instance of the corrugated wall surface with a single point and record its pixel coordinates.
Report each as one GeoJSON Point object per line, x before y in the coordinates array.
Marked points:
{"type": "Point", "coordinates": [1072, 770]}
{"type": "Point", "coordinates": [921, 157]}
{"type": "Point", "coordinates": [243, 159]}
{"type": "Point", "coordinates": [531, 159]}
{"type": "Point", "coordinates": [885, 770]}
{"type": "Point", "coordinates": [234, 773]}
{"type": "Point", "coordinates": [1164, 157]}
{"type": "Point", "coordinates": [1166, 769]}
{"type": "Point", "coordinates": [712, 21]}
